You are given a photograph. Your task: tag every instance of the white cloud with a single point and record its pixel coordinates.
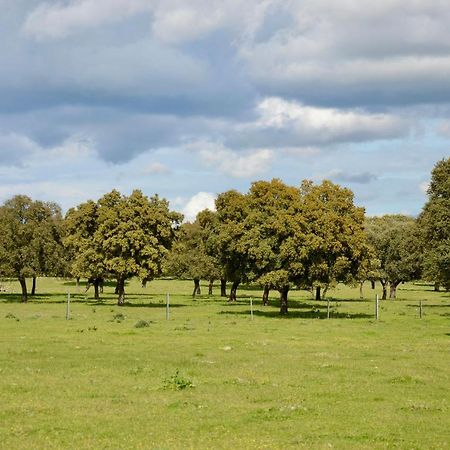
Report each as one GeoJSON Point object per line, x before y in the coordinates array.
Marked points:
{"type": "Point", "coordinates": [155, 168]}
{"type": "Point", "coordinates": [184, 21]}
{"type": "Point", "coordinates": [355, 52]}
{"type": "Point", "coordinates": [444, 129]}
{"type": "Point", "coordinates": [424, 187]}
{"type": "Point", "coordinates": [16, 148]}
{"type": "Point", "coordinates": [197, 203]}
{"type": "Point", "coordinates": [313, 124]}
{"type": "Point", "coordinates": [245, 164]}
{"type": "Point", "coordinates": [50, 20]}
{"type": "Point", "coordinates": [172, 21]}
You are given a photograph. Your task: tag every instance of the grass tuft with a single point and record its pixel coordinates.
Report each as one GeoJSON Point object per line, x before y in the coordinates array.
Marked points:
{"type": "Point", "coordinates": [177, 382]}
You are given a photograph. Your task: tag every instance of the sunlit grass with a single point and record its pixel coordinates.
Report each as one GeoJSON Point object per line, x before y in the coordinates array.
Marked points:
{"type": "Point", "coordinates": [97, 381]}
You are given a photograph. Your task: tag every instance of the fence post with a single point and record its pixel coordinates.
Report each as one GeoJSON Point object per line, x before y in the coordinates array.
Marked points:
{"type": "Point", "coordinates": [251, 307]}
{"type": "Point", "coordinates": [68, 307]}
{"type": "Point", "coordinates": [376, 308]}
{"type": "Point", "coordinates": [328, 308]}
{"type": "Point", "coordinates": [420, 309]}
{"type": "Point", "coordinates": [167, 306]}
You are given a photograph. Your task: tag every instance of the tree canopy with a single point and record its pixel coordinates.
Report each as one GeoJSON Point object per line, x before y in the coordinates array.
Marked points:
{"type": "Point", "coordinates": [435, 226]}
{"type": "Point", "coordinates": [121, 236]}
{"type": "Point", "coordinates": [396, 242]}
{"type": "Point", "coordinates": [30, 240]}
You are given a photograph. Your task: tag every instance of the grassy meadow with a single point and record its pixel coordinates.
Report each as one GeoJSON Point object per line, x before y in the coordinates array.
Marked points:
{"type": "Point", "coordinates": [210, 377]}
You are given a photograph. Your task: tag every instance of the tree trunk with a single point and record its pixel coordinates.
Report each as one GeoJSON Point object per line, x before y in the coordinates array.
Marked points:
{"type": "Point", "coordinates": [284, 300]}
{"type": "Point", "coordinates": [33, 286]}
{"type": "Point", "coordinates": [78, 284]}
{"type": "Point", "coordinates": [196, 287]}
{"type": "Point", "coordinates": [233, 291]}
{"type": "Point", "coordinates": [384, 285]}
{"type": "Point", "coordinates": [436, 286]}
{"type": "Point", "coordinates": [265, 297]}
{"type": "Point", "coordinates": [100, 284]}
{"type": "Point", "coordinates": [393, 289]}
{"type": "Point", "coordinates": [120, 287]}
{"type": "Point", "coordinates": [318, 296]}
{"type": "Point", "coordinates": [210, 287]}
{"type": "Point", "coordinates": [23, 285]}
{"type": "Point", "coordinates": [372, 284]}
{"type": "Point", "coordinates": [144, 283]}
{"type": "Point", "coordinates": [96, 284]}
{"type": "Point", "coordinates": [361, 295]}
{"type": "Point", "coordinates": [223, 287]}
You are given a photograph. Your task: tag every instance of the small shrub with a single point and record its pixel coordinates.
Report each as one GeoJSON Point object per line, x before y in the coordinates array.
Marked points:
{"type": "Point", "coordinates": [118, 317]}
{"type": "Point", "coordinates": [177, 382]}
{"type": "Point", "coordinates": [141, 324]}
{"type": "Point", "coordinates": [10, 316]}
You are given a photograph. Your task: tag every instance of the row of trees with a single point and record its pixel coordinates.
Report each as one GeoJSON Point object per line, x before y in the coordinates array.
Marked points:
{"type": "Point", "coordinates": [279, 236]}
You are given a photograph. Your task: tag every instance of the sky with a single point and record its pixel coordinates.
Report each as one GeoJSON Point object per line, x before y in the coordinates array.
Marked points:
{"type": "Point", "coordinates": [189, 98]}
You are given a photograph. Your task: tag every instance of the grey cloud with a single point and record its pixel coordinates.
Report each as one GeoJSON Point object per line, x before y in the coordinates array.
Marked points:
{"type": "Point", "coordinates": [349, 177]}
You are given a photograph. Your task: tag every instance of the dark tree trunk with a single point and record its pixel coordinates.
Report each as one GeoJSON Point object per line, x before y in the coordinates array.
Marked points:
{"type": "Point", "coordinates": [78, 283]}
{"type": "Point", "coordinates": [284, 300]}
{"type": "Point", "coordinates": [436, 286]}
{"type": "Point", "coordinates": [33, 286]}
{"type": "Point", "coordinates": [223, 287]}
{"type": "Point", "coordinates": [100, 284]}
{"type": "Point", "coordinates": [318, 296]}
{"type": "Point", "coordinates": [210, 287]}
{"type": "Point", "coordinates": [96, 284]}
{"type": "Point", "coordinates": [361, 294]}
{"type": "Point", "coordinates": [23, 285]}
{"type": "Point", "coordinates": [233, 291]}
{"type": "Point", "coordinates": [196, 287]}
{"type": "Point", "coordinates": [144, 283]}
{"type": "Point", "coordinates": [265, 297]}
{"type": "Point", "coordinates": [372, 284]}
{"type": "Point", "coordinates": [384, 285]}
{"type": "Point", "coordinates": [393, 289]}
{"type": "Point", "coordinates": [120, 287]}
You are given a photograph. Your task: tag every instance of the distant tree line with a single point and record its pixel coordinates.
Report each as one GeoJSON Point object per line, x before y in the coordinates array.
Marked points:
{"type": "Point", "coordinates": [275, 235]}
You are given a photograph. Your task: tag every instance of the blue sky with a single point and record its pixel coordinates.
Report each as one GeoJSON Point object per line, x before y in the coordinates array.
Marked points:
{"type": "Point", "coordinates": [188, 98]}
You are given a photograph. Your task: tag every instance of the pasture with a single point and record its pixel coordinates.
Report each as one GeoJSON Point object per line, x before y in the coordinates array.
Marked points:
{"type": "Point", "coordinates": [210, 377]}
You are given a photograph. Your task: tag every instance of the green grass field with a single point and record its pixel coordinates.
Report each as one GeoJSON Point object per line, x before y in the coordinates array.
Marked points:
{"type": "Point", "coordinates": [210, 377]}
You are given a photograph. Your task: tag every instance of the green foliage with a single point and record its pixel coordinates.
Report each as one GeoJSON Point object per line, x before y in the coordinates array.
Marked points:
{"type": "Point", "coordinates": [335, 240]}
{"type": "Point", "coordinates": [141, 324]}
{"type": "Point", "coordinates": [121, 237]}
{"type": "Point", "coordinates": [435, 226]}
{"type": "Point", "coordinates": [177, 382]}
{"type": "Point", "coordinates": [10, 316]}
{"type": "Point", "coordinates": [31, 239]}
{"type": "Point", "coordinates": [396, 242]}
{"type": "Point", "coordinates": [279, 235]}
{"type": "Point", "coordinates": [189, 258]}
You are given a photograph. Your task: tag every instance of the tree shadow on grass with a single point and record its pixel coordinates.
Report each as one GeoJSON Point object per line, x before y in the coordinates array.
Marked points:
{"type": "Point", "coordinates": [83, 283]}
{"type": "Point", "coordinates": [426, 305]}
{"type": "Point", "coordinates": [148, 305]}
{"type": "Point", "coordinates": [301, 314]}
{"type": "Point", "coordinates": [81, 299]}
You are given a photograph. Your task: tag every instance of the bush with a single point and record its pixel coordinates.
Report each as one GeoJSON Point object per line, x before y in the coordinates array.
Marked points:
{"type": "Point", "coordinates": [177, 382]}
{"type": "Point", "coordinates": [141, 324]}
